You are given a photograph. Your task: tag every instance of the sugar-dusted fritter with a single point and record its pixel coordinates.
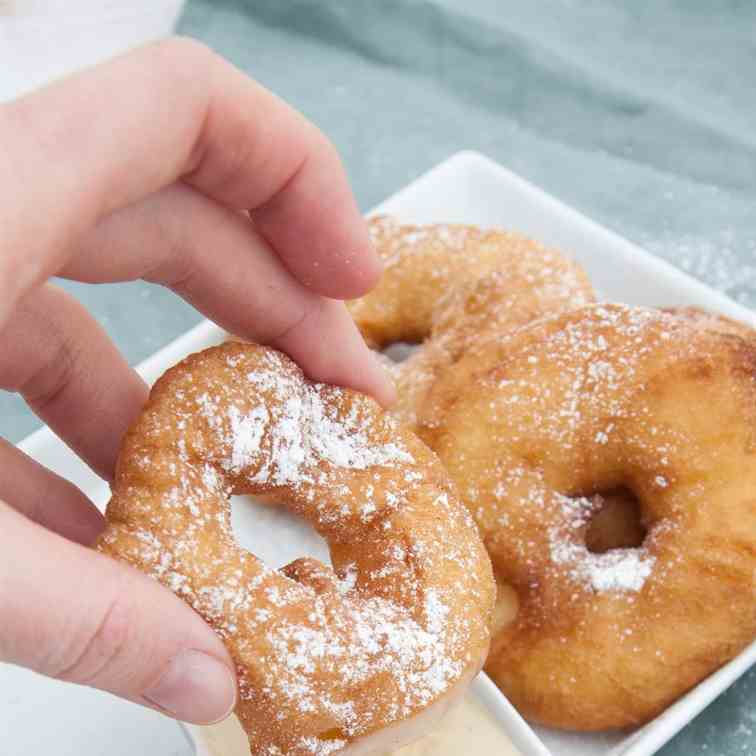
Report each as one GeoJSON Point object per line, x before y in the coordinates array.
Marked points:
{"type": "Point", "coordinates": [541, 427]}
{"type": "Point", "coordinates": [330, 659]}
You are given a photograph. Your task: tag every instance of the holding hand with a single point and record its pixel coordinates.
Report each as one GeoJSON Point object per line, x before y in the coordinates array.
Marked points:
{"type": "Point", "coordinates": [171, 166]}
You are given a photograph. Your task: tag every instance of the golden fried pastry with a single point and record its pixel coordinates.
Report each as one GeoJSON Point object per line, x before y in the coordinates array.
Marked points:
{"type": "Point", "coordinates": [346, 659]}
{"type": "Point", "coordinates": [711, 321]}
{"type": "Point", "coordinates": [543, 426]}
{"type": "Point", "coordinates": [444, 285]}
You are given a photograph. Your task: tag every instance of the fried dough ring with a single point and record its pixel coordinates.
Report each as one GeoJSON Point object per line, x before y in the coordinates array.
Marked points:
{"type": "Point", "coordinates": [711, 321]}
{"type": "Point", "coordinates": [444, 285]}
{"type": "Point", "coordinates": [531, 426]}
{"type": "Point", "coordinates": [325, 658]}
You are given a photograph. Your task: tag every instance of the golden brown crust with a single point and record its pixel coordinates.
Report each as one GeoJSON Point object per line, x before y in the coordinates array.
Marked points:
{"type": "Point", "coordinates": [530, 425]}
{"type": "Point", "coordinates": [446, 285]}
{"type": "Point", "coordinates": [560, 435]}
{"type": "Point", "coordinates": [711, 321]}
{"type": "Point", "coordinates": [325, 656]}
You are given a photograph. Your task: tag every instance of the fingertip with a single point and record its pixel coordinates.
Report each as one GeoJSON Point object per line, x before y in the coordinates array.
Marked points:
{"type": "Point", "coordinates": [194, 687]}
{"type": "Point", "coordinates": [381, 387]}
{"type": "Point", "coordinates": [368, 273]}
{"type": "Point", "coordinates": [329, 253]}
{"type": "Point", "coordinates": [361, 267]}
{"type": "Point", "coordinates": [316, 228]}
{"type": "Point", "coordinates": [365, 373]}
{"type": "Point", "coordinates": [329, 348]}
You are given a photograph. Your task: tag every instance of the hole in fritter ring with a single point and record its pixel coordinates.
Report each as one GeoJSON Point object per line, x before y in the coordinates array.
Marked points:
{"type": "Point", "coordinates": [399, 351]}
{"type": "Point", "coordinates": [617, 523]}
{"type": "Point", "coordinates": [506, 607]}
{"type": "Point", "coordinates": [274, 534]}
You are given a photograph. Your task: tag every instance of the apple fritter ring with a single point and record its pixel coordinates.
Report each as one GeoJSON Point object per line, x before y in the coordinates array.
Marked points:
{"type": "Point", "coordinates": [327, 657]}
{"type": "Point", "coordinates": [542, 429]}
{"type": "Point", "coordinates": [445, 285]}
{"type": "Point", "coordinates": [711, 321]}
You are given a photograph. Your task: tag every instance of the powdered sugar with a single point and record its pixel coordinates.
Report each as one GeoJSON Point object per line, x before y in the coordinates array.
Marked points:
{"type": "Point", "coordinates": [246, 432]}
{"type": "Point", "coordinates": [318, 747]}
{"type": "Point", "coordinates": [580, 413]}
{"type": "Point", "coordinates": [403, 625]}
{"type": "Point", "coordinates": [724, 262]}
{"type": "Point", "coordinates": [381, 639]}
{"type": "Point", "coordinates": [287, 445]}
{"type": "Point", "coordinates": [624, 569]}
{"type": "Point", "coordinates": [619, 570]}
{"type": "Point", "coordinates": [306, 430]}
{"type": "Point", "coordinates": [435, 612]}
{"type": "Point", "coordinates": [614, 570]}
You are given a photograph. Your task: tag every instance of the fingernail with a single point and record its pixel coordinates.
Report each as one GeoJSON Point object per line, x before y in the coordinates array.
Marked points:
{"type": "Point", "coordinates": [195, 687]}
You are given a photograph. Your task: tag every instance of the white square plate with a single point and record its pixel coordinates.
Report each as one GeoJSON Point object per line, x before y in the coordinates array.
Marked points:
{"type": "Point", "coordinates": [470, 188]}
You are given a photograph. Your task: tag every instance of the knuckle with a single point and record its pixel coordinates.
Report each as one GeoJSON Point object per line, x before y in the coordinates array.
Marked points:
{"type": "Point", "coordinates": [301, 322]}
{"type": "Point", "coordinates": [53, 376]}
{"type": "Point", "coordinates": [246, 148]}
{"type": "Point", "coordinates": [186, 69]}
{"type": "Point", "coordinates": [99, 647]}
{"type": "Point", "coordinates": [304, 339]}
{"type": "Point", "coordinates": [177, 260]}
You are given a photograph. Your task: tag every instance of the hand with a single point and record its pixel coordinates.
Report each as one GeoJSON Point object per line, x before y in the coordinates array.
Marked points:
{"type": "Point", "coordinates": [168, 165]}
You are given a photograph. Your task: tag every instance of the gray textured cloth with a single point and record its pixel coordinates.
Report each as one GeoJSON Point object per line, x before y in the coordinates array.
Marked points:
{"type": "Point", "coordinates": [640, 114]}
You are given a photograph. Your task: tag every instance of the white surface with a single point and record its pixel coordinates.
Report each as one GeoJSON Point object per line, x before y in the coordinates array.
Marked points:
{"type": "Point", "coordinates": [35, 713]}
{"type": "Point", "coordinates": [42, 40]}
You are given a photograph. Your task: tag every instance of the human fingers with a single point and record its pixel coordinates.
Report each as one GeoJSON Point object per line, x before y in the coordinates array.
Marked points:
{"type": "Point", "coordinates": [215, 259]}
{"type": "Point", "coordinates": [168, 111]}
{"type": "Point", "coordinates": [66, 368]}
{"type": "Point", "coordinates": [46, 498]}
{"type": "Point", "coordinates": [76, 615]}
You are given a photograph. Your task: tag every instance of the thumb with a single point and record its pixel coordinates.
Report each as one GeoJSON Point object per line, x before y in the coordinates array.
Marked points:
{"type": "Point", "coordinates": [71, 613]}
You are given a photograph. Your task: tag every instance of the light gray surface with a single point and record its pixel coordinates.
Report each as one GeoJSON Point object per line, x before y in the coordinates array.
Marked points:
{"type": "Point", "coordinates": [639, 114]}
{"type": "Point", "coordinates": [78, 721]}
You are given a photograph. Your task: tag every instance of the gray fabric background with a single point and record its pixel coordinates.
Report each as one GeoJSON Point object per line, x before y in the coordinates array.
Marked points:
{"type": "Point", "coordinates": [640, 114]}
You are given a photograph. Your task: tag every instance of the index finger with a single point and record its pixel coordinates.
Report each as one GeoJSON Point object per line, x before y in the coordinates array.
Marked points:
{"type": "Point", "coordinates": [173, 110]}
